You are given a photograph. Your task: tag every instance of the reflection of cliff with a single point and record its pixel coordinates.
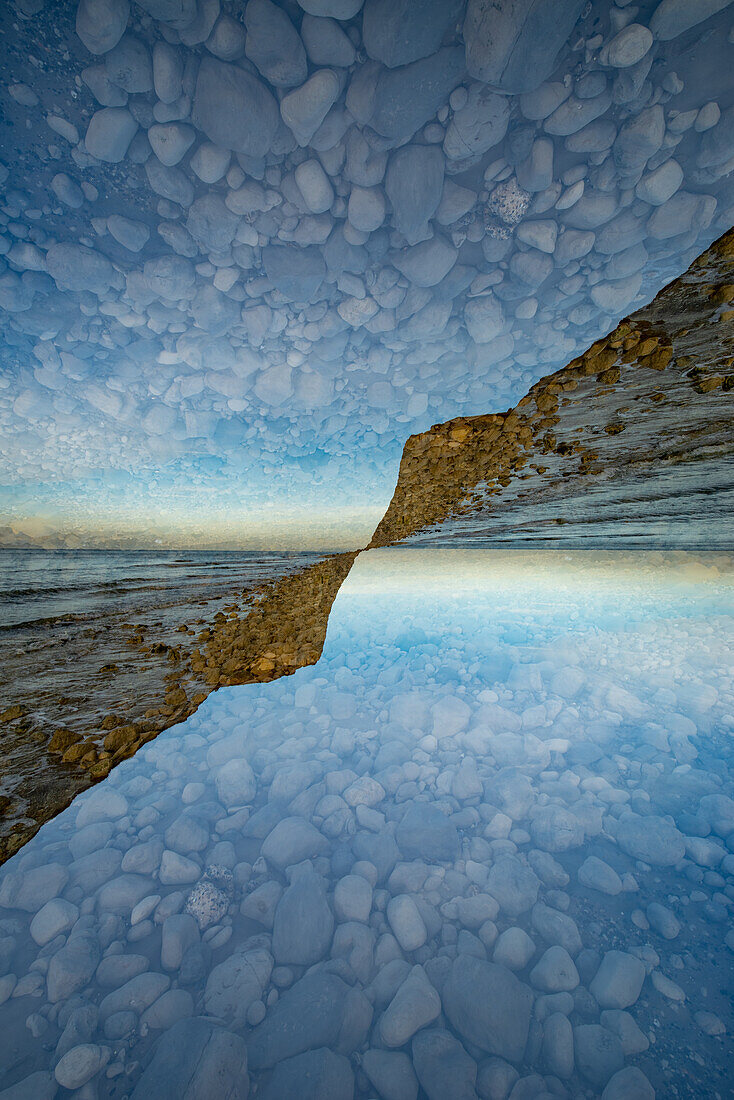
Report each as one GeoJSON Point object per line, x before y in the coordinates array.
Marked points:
{"type": "Point", "coordinates": [632, 441]}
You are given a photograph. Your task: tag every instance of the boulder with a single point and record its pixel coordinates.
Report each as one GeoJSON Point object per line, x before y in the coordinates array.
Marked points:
{"type": "Point", "coordinates": [196, 1059]}
{"type": "Point", "coordinates": [488, 1006]}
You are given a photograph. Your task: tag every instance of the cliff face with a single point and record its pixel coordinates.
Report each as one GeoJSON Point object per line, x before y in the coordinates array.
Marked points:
{"type": "Point", "coordinates": [632, 442]}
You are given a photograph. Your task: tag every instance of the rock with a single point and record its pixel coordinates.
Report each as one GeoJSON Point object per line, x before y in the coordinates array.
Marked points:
{"type": "Point", "coordinates": [101, 23]}
{"type": "Point", "coordinates": [509, 202]}
{"type": "Point", "coordinates": [334, 9]}
{"type": "Point", "coordinates": [443, 1067]}
{"type": "Point", "coordinates": [639, 139]}
{"type": "Point", "coordinates": [473, 911]}
{"type": "Point", "coordinates": [234, 109]}
{"type": "Point", "coordinates": [308, 1015]}
{"type": "Point", "coordinates": [207, 904]}
{"type": "Point", "coordinates": [478, 125]}
{"type": "Point", "coordinates": [674, 17]}
{"type": "Point", "coordinates": [72, 967]}
{"type": "Point", "coordinates": [514, 885]}
{"type": "Point", "coordinates": [426, 833]}
{"type": "Point", "coordinates": [556, 927]}
{"type": "Point", "coordinates": [175, 1005]}
{"type": "Point", "coordinates": [414, 183]}
{"type": "Point", "coordinates": [177, 870]}
{"type": "Point", "coordinates": [305, 108]}
{"type": "Point", "coordinates": [80, 1064]}
{"type": "Point", "coordinates": [109, 134]}
{"type": "Point", "coordinates": [171, 141]}
{"type": "Point", "coordinates": [315, 1075]}
{"type": "Point", "coordinates": [669, 989]}
{"type": "Point", "coordinates": [304, 923]}
{"type": "Point", "coordinates": [115, 970]}
{"type": "Point", "coordinates": [557, 1046]}
{"type": "Point", "coordinates": [178, 14]}
{"type": "Point", "coordinates": [236, 983]}
{"type": "Point", "coordinates": [37, 1086]}
{"type": "Point", "coordinates": [364, 791]}
{"type": "Point", "coordinates": [178, 934]}
{"type": "Point", "coordinates": [575, 115]}
{"type": "Point", "coordinates": [273, 44]}
{"type": "Point", "coordinates": [169, 183]}
{"type": "Point", "coordinates": [624, 1027]}
{"type": "Point", "coordinates": [32, 889]}
{"type": "Point", "coordinates": [391, 1073]}
{"type": "Point", "coordinates": [367, 208]}
{"type": "Point", "coordinates": [629, 1083]}
{"type": "Point", "coordinates": [406, 922]}
{"type": "Point", "coordinates": [542, 102]}
{"type": "Point", "coordinates": [427, 263]}
{"type": "Point", "coordinates": [314, 185]}
{"type": "Point", "coordinates": [132, 235]}
{"type": "Point", "coordinates": [398, 33]}
{"type": "Point", "coordinates": [513, 44]}
{"type": "Point", "coordinates": [484, 319]}
{"type": "Point", "coordinates": [194, 1059]}
{"type": "Point", "coordinates": [210, 162]}
{"type": "Point", "coordinates": [598, 1053]}
{"type": "Point", "coordinates": [598, 875]}
{"type": "Point", "coordinates": [128, 65]}
{"type": "Point", "coordinates": [628, 46]}
{"type": "Point", "coordinates": [513, 949]}
{"type": "Point", "coordinates": [488, 1006]}
{"type": "Point", "coordinates": [54, 918]}
{"type": "Point", "coordinates": [213, 227]}
{"type": "Point", "coordinates": [555, 971]}
{"type": "Point", "coordinates": [235, 780]}
{"type": "Point", "coordinates": [296, 273]}
{"type": "Point", "coordinates": [614, 297]}
{"type": "Point", "coordinates": [538, 234]}
{"type": "Point", "coordinates": [136, 995]}
{"type": "Point", "coordinates": [352, 898]}
{"type": "Point", "coordinates": [618, 981]}
{"type": "Point", "coordinates": [556, 829]}
{"type": "Point", "coordinates": [415, 1004]}
{"type": "Point", "coordinates": [662, 920]}
{"type": "Point", "coordinates": [406, 98]}
{"type": "Point", "coordinates": [651, 839]}
{"type": "Point", "coordinates": [291, 841]}
{"type": "Point", "coordinates": [326, 43]}
{"type": "Point", "coordinates": [658, 186]}
{"type": "Point", "coordinates": [167, 72]}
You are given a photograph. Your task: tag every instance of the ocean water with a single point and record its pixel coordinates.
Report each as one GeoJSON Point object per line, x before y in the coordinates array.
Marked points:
{"type": "Point", "coordinates": [484, 848]}
{"type": "Point", "coordinates": [39, 587]}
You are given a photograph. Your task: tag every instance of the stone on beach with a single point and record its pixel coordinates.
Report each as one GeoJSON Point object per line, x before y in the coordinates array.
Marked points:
{"type": "Point", "coordinates": [196, 1058]}
{"type": "Point", "coordinates": [488, 1006]}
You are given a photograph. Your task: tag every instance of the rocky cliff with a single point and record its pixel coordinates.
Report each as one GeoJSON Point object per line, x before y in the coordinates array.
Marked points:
{"type": "Point", "coordinates": [633, 441]}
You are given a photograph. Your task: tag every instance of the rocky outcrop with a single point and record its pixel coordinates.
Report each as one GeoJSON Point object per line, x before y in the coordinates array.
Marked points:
{"type": "Point", "coordinates": [634, 439]}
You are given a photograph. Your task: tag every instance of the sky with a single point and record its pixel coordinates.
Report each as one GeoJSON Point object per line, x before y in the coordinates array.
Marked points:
{"type": "Point", "coordinates": [246, 249]}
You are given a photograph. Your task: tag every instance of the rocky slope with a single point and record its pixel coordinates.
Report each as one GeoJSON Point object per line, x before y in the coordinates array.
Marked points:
{"type": "Point", "coordinates": [633, 440]}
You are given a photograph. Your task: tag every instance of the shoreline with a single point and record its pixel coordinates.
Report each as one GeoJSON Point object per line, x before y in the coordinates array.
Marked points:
{"type": "Point", "coordinates": [245, 638]}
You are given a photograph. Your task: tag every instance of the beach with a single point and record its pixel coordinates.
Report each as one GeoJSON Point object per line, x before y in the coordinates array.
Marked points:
{"type": "Point", "coordinates": [95, 656]}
